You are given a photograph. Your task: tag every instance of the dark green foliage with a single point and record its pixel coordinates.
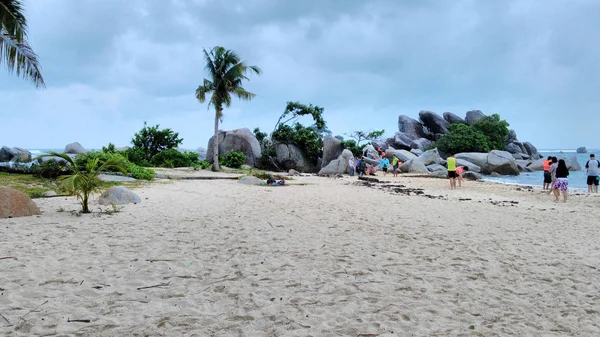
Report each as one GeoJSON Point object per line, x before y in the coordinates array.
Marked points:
{"type": "Point", "coordinates": [233, 159]}
{"type": "Point", "coordinates": [361, 136]}
{"type": "Point", "coordinates": [260, 136]}
{"type": "Point", "coordinates": [307, 139]}
{"type": "Point", "coordinates": [132, 169]}
{"type": "Point", "coordinates": [152, 140]}
{"type": "Point", "coordinates": [173, 158]}
{"type": "Point", "coordinates": [136, 156]}
{"type": "Point", "coordinates": [201, 165]}
{"type": "Point", "coordinates": [494, 129]}
{"type": "Point", "coordinates": [49, 169]}
{"type": "Point", "coordinates": [110, 148]}
{"type": "Point", "coordinates": [463, 138]}
{"type": "Point", "coordinates": [353, 147]}
{"type": "Point", "coordinates": [295, 110]}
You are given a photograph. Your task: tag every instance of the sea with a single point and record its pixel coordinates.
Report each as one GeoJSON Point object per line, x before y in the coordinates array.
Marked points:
{"type": "Point", "coordinates": [577, 179]}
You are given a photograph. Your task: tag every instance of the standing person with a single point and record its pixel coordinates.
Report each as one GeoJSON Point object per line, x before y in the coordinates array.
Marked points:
{"type": "Point", "coordinates": [351, 166]}
{"type": "Point", "coordinates": [395, 165]}
{"type": "Point", "coordinates": [459, 172]}
{"type": "Point", "coordinates": [547, 176]}
{"type": "Point", "coordinates": [562, 182]}
{"type": "Point", "coordinates": [552, 170]}
{"type": "Point", "coordinates": [384, 163]}
{"type": "Point", "coordinates": [362, 167]}
{"type": "Point", "coordinates": [592, 174]}
{"type": "Point", "coordinates": [451, 163]}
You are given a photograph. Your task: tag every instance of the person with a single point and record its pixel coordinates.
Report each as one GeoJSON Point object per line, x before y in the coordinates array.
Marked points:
{"type": "Point", "coordinates": [451, 163]}
{"type": "Point", "coordinates": [396, 165]}
{"type": "Point", "coordinates": [371, 170]}
{"type": "Point", "coordinates": [592, 174]}
{"type": "Point", "coordinates": [380, 151]}
{"type": "Point", "coordinates": [562, 182]}
{"type": "Point", "coordinates": [552, 174]}
{"type": "Point", "coordinates": [362, 167]}
{"type": "Point", "coordinates": [384, 163]}
{"type": "Point", "coordinates": [351, 166]}
{"type": "Point", "coordinates": [459, 172]}
{"type": "Point", "coordinates": [547, 176]}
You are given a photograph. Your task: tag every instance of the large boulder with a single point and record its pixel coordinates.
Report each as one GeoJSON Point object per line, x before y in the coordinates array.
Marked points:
{"type": "Point", "coordinates": [434, 122]}
{"type": "Point", "coordinates": [75, 148]}
{"type": "Point", "coordinates": [512, 136]}
{"type": "Point", "coordinates": [337, 166]}
{"type": "Point", "coordinates": [572, 162]}
{"type": "Point", "coordinates": [19, 155]}
{"type": "Point", "coordinates": [421, 143]}
{"type": "Point", "coordinates": [522, 164]}
{"type": "Point", "coordinates": [532, 150]}
{"type": "Point", "coordinates": [118, 195]}
{"type": "Point", "coordinates": [436, 168]}
{"type": "Point", "coordinates": [290, 156]}
{"type": "Point", "coordinates": [430, 157]}
{"type": "Point", "coordinates": [5, 154]}
{"type": "Point", "coordinates": [536, 165]}
{"type": "Point", "coordinates": [251, 180]}
{"type": "Point", "coordinates": [241, 140]}
{"type": "Point", "coordinates": [416, 152]}
{"type": "Point", "coordinates": [513, 148]}
{"type": "Point", "coordinates": [370, 152]}
{"type": "Point", "coordinates": [470, 175]}
{"type": "Point", "coordinates": [411, 127]}
{"type": "Point", "coordinates": [502, 163]}
{"type": "Point", "coordinates": [332, 148]}
{"type": "Point", "coordinates": [414, 166]}
{"type": "Point", "coordinates": [471, 166]}
{"type": "Point", "coordinates": [201, 153]}
{"type": "Point", "coordinates": [402, 155]}
{"type": "Point", "coordinates": [401, 140]}
{"type": "Point", "coordinates": [477, 158]}
{"type": "Point", "coordinates": [453, 118]}
{"type": "Point", "coordinates": [378, 143]}
{"type": "Point", "coordinates": [14, 203]}
{"type": "Point", "coordinates": [582, 149]}
{"type": "Point", "coordinates": [473, 116]}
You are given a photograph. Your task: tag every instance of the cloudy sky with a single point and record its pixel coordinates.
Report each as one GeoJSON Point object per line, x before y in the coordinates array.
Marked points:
{"type": "Point", "coordinates": [110, 65]}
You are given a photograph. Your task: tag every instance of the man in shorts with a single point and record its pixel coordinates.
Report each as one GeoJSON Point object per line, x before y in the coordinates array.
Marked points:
{"type": "Point", "coordinates": [592, 174]}
{"type": "Point", "coordinates": [451, 163]}
{"type": "Point", "coordinates": [547, 174]}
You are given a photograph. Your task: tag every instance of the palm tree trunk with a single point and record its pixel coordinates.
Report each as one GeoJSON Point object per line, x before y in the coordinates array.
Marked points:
{"type": "Point", "coordinates": [215, 166]}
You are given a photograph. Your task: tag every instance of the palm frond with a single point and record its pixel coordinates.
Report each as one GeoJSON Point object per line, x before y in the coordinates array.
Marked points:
{"type": "Point", "coordinates": [210, 64]}
{"type": "Point", "coordinates": [62, 155]}
{"type": "Point", "coordinates": [113, 164]}
{"type": "Point", "coordinates": [241, 93]}
{"type": "Point", "coordinates": [12, 19]}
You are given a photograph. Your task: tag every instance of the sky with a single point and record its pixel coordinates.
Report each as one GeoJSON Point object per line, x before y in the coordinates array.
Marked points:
{"type": "Point", "coordinates": [110, 65]}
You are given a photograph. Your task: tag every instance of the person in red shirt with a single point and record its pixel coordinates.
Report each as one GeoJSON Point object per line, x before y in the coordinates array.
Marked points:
{"type": "Point", "coordinates": [547, 175]}
{"type": "Point", "coordinates": [459, 172]}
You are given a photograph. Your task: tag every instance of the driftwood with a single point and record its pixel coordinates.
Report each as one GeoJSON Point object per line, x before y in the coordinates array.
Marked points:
{"type": "Point", "coordinates": [8, 257]}
{"type": "Point", "coordinates": [156, 286]}
{"type": "Point", "coordinates": [78, 320]}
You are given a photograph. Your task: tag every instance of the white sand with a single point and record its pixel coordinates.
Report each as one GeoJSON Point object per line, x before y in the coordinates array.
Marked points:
{"type": "Point", "coordinates": [326, 259]}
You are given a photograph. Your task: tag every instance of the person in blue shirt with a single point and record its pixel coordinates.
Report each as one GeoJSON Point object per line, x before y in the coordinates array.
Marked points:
{"type": "Point", "coordinates": [384, 163]}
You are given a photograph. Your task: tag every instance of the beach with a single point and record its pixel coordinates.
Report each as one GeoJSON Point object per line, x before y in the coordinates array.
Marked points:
{"type": "Point", "coordinates": [318, 257]}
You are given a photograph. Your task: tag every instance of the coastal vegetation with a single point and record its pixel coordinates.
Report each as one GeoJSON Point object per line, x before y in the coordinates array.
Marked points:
{"type": "Point", "coordinates": [226, 73]}
{"type": "Point", "coordinates": [15, 50]}
{"type": "Point", "coordinates": [358, 137]}
{"type": "Point", "coordinates": [484, 135]}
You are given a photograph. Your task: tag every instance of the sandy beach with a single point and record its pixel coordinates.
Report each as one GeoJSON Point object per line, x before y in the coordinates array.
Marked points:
{"type": "Point", "coordinates": [319, 257]}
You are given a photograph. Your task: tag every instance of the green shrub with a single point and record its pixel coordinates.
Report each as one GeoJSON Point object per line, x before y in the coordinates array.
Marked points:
{"type": "Point", "coordinates": [49, 169]}
{"type": "Point", "coordinates": [463, 138]}
{"type": "Point", "coordinates": [233, 159]}
{"type": "Point", "coordinates": [139, 172]}
{"type": "Point", "coordinates": [152, 140]}
{"type": "Point", "coordinates": [307, 139]}
{"type": "Point", "coordinates": [135, 171]}
{"type": "Point", "coordinates": [494, 129]}
{"type": "Point", "coordinates": [135, 156]}
{"type": "Point", "coordinates": [174, 158]}
{"type": "Point", "coordinates": [353, 147]}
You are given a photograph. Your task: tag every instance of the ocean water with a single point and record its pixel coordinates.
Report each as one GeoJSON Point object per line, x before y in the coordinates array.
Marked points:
{"type": "Point", "coordinates": [577, 179]}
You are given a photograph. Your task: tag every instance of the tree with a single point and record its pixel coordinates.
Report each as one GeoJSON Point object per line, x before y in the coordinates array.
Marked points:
{"type": "Point", "coordinates": [295, 110]}
{"type": "Point", "coordinates": [14, 47]}
{"type": "Point", "coordinates": [361, 136]}
{"type": "Point", "coordinates": [84, 183]}
{"type": "Point", "coordinates": [494, 129]}
{"type": "Point", "coordinates": [463, 138]}
{"type": "Point", "coordinates": [226, 73]}
{"type": "Point", "coordinates": [151, 140]}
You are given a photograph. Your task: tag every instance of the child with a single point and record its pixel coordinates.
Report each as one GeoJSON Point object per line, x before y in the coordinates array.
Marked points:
{"type": "Point", "coordinates": [396, 165]}
{"type": "Point", "coordinates": [459, 171]}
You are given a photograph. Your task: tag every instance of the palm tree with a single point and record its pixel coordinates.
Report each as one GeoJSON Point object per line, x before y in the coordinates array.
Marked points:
{"type": "Point", "coordinates": [14, 48]}
{"type": "Point", "coordinates": [226, 73]}
{"type": "Point", "coordinates": [84, 183]}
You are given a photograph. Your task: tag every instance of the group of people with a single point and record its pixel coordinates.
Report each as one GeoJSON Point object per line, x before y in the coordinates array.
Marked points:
{"type": "Point", "coordinates": [556, 175]}
{"type": "Point", "coordinates": [362, 167]}
{"type": "Point", "coordinates": [455, 173]}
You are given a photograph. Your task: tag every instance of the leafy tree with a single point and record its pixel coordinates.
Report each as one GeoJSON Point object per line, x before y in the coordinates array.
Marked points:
{"type": "Point", "coordinates": [260, 136]}
{"type": "Point", "coordinates": [361, 136]}
{"type": "Point", "coordinates": [306, 138]}
{"type": "Point", "coordinates": [494, 129]}
{"type": "Point", "coordinates": [463, 138]}
{"type": "Point", "coordinates": [152, 140]}
{"type": "Point", "coordinates": [295, 110]}
{"type": "Point", "coordinates": [84, 183]}
{"type": "Point", "coordinates": [14, 47]}
{"type": "Point", "coordinates": [109, 149]}
{"type": "Point", "coordinates": [173, 158]}
{"type": "Point", "coordinates": [226, 73]}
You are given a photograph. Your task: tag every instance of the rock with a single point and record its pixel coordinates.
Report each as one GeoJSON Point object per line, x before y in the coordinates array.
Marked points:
{"type": "Point", "coordinates": [502, 162]}
{"type": "Point", "coordinates": [402, 155]}
{"type": "Point", "coordinates": [241, 140]}
{"type": "Point", "coordinates": [19, 155]}
{"type": "Point", "coordinates": [471, 166]}
{"type": "Point", "coordinates": [453, 118]}
{"type": "Point", "coordinates": [251, 180]}
{"type": "Point", "coordinates": [517, 156]}
{"type": "Point", "coordinates": [421, 144]}
{"type": "Point", "coordinates": [572, 163]}
{"type": "Point", "coordinates": [537, 165]}
{"type": "Point", "coordinates": [522, 164]}
{"type": "Point", "coordinates": [5, 155]}
{"type": "Point", "coordinates": [201, 153]}
{"type": "Point", "coordinates": [50, 194]}
{"type": "Point", "coordinates": [401, 140]}
{"type": "Point", "coordinates": [410, 127]}
{"type": "Point", "coordinates": [439, 174]}
{"type": "Point", "coordinates": [337, 166]}
{"type": "Point", "coordinates": [112, 177]}
{"type": "Point", "coordinates": [582, 149]}
{"type": "Point", "coordinates": [430, 157]}
{"type": "Point", "coordinates": [495, 174]}
{"type": "Point", "coordinates": [370, 152]}
{"type": "Point", "coordinates": [434, 122]}
{"type": "Point", "coordinates": [293, 172]}
{"type": "Point", "coordinates": [59, 160]}
{"type": "Point", "coordinates": [531, 150]}
{"type": "Point", "coordinates": [416, 152]}
{"type": "Point", "coordinates": [118, 195]}
{"type": "Point", "coordinates": [289, 156]}
{"type": "Point", "coordinates": [473, 116]}
{"type": "Point", "coordinates": [512, 136]}
{"type": "Point", "coordinates": [478, 158]}
{"type": "Point", "coordinates": [414, 166]}
{"type": "Point", "coordinates": [75, 148]}
{"type": "Point", "coordinates": [513, 148]}
{"type": "Point", "coordinates": [14, 203]}
{"type": "Point", "coordinates": [470, 175]}
{"type": "Point", "coordinates": [332, 148]}
{"type": "Point", "coordinates": [379, 143]}
{"type": "Point", "coordinates": [436, 167]}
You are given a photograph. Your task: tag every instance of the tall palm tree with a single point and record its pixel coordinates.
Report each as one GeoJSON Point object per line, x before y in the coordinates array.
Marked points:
{"type": "Point", "coordinates": [226, 72]}
{"type": "Point", "coordinates": [14, 48]}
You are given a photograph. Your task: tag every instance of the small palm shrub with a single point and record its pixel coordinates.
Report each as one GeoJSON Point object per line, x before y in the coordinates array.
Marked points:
{"type": "Point", "coordinates": [233, 159]}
